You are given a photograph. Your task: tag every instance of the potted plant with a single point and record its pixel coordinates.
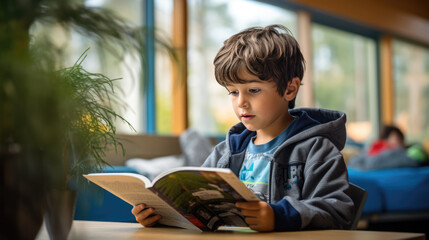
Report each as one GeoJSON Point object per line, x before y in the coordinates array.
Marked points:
{"type": "Point", "coordinates": [89, 132]}
{"type": "Point", "coordinates": [55, 123]}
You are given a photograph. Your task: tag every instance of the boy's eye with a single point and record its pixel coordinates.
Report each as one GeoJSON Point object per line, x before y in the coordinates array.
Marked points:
{"type": "Point", "coordinates": [254, 90]}
{"type": "Point", "coordinates": [233, 93]}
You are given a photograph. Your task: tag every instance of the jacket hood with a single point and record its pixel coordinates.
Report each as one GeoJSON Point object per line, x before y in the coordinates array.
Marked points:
{"type": "Point", "coordinates": [310, 122]}
{"type": "Point", "coordinates": [332, 126]}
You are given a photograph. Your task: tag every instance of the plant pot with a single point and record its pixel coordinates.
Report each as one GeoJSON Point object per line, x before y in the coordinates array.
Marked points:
{"type": "Point", "coordinates": [21, 200]}
{"type": "Point", "coordinates": [60, 206]}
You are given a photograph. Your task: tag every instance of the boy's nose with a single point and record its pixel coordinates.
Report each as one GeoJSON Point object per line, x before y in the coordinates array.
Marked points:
{"type": "Point", "coordinates": [242, 101]}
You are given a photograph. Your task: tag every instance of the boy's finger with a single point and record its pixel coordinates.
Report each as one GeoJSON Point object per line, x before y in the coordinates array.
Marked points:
{"type": "Point", "coordinates": [252, 221]}
{"type": "Point", "coordinates": [143, 215]}
{"type": "Point", "coordinates": [138, 208]}
{"type": "Point", "coordinates": [249, 213]}
{"type": "Point", "coordinates": [248, 205]}
{"type": "Point", "coordinates": [150, 221]}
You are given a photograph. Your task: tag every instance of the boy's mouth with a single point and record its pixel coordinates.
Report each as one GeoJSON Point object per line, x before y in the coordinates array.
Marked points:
{"type": "Point", "coordinates": [247, 117]}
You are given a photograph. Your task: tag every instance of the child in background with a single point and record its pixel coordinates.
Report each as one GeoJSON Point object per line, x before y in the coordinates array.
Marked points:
{"type": "Point", "coordinates": [390, 151]}
{"type": "Point", "coordinates": [390, 137]}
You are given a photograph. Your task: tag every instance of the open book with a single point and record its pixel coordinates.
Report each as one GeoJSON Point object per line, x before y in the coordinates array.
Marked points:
{"type": "Point", "coordinates": [188, 197]}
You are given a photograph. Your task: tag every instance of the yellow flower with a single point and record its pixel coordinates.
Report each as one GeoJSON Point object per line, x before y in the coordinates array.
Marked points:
{"type": "Point", "coordinates": [94, 125]}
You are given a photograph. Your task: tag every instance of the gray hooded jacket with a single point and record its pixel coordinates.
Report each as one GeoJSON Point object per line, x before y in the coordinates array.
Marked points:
{"type": "Point", "coordinates": [308, 186]}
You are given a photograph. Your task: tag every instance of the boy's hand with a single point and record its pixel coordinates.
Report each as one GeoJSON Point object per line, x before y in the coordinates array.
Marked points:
{"type": "Point", "coordinates": [259, 215]}
{"type": "Point", "coordinates": [145, 215]}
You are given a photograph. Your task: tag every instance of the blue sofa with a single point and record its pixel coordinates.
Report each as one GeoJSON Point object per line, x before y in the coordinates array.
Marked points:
{"type": "Point", "coordinates": [394, 194]}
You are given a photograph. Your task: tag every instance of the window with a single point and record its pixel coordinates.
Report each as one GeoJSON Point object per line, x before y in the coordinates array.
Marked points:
{"type": "Point", "coordinates": [344, 74]}
{"type": "Point", "coordinates": [210, 23]}
{"type": "Point", "coordinates": [345, 78]}
{"type": "Point", "coordinates": [99, 60]}
{"type": "Point", "coordinates": [411, 84]}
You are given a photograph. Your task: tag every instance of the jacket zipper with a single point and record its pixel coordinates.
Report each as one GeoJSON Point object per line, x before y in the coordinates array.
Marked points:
{"type": "Point", "coordinates": [270, 180]}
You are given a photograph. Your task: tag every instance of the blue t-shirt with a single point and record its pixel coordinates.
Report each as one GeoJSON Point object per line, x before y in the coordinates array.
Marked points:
{"type": "Point", "coordinates": [255, 170]}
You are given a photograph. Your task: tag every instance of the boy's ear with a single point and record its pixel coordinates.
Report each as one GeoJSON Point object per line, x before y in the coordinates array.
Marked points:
{"type": "Point", "coordinates": [292, 89]}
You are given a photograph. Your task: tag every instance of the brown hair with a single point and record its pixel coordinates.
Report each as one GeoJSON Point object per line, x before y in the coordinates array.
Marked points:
{"type": "Point", "coordinates": [386, 130]}
{"type": "Point", "coordinates": [270, 53]}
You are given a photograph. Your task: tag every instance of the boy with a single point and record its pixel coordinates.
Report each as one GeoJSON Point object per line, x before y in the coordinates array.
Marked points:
{"type": "Point", "coordinates": [290, 158]}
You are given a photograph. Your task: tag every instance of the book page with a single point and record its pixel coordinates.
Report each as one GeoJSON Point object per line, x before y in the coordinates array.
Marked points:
{"type": "Point", "coordinates": [241, 189]}
{"type": "Point", "coordinates": [131, 188]}
{"type": "Point", "coordinates": [205, 196]}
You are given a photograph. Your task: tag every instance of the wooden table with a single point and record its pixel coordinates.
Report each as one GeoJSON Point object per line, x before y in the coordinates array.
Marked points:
{"type": "Point", "coordinates": [115, 230]}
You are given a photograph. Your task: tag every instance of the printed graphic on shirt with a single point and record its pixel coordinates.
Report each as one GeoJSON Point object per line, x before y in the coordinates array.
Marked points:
{"type": "Point", "coordinates": [255, 173]}
{"type": "Point", "coordinates": [295, 172]}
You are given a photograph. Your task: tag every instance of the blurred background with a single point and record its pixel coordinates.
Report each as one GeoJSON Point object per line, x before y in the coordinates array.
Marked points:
{"type": "Point", "coordinates": [367, 58]}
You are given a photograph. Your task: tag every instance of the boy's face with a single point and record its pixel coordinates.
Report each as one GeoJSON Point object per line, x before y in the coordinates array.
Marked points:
{"type": "Point", "coordinates": [259, 106]}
